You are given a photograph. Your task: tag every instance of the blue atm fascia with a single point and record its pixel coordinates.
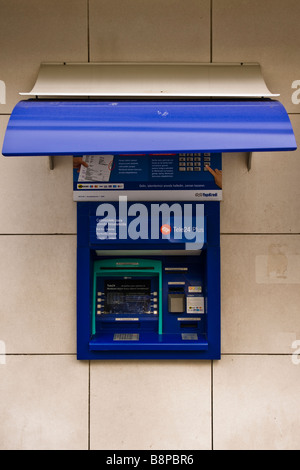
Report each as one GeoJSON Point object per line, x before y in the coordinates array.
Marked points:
{"type": "Point", "coordinates": [185, 268]}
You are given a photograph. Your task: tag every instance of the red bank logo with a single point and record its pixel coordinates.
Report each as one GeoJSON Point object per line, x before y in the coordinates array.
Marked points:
{"type": "Point", "coordinates": [165, 229]}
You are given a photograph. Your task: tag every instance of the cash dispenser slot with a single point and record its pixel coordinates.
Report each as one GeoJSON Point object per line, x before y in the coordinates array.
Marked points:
{"type": "Point", "coordinates": [189, 324]}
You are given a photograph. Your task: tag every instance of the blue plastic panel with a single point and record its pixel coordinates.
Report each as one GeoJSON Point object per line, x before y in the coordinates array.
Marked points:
{"type": "Point", "coordinates": [41, 127]}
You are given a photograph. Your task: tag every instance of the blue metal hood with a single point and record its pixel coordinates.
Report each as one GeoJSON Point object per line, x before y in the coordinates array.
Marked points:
{"type": "Point", "coordinates": [87, 127]}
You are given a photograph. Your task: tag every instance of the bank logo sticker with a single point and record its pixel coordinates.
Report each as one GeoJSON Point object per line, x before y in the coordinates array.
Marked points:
{"type": "Point", "coordinates": [165, 229]}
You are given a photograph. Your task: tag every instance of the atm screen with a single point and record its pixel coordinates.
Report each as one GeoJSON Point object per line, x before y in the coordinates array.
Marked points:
{"type": "Point", "coordinates": [127, 296]}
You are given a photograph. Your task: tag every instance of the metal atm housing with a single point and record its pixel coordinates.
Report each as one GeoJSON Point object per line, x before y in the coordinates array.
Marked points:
{"type": "Point", "coordinates": [148, 299]}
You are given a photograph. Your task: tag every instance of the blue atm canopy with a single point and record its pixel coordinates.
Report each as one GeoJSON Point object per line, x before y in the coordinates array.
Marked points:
{"type": "Point", "coordinates": [105, 127]}
{"type": "Point", "coordinates": [98, 118]}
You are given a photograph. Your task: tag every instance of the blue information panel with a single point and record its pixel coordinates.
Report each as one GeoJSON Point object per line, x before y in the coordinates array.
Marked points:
{"type": "Point", "coordinates": [183, 176]}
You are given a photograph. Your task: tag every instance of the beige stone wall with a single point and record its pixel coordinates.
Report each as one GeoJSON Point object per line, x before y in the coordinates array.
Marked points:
{"type": "Point", "coordinates": [249, 399]}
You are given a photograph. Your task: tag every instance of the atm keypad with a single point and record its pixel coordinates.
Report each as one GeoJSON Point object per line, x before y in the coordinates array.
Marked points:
{"type": "Point", "coordinates": [193, 161]}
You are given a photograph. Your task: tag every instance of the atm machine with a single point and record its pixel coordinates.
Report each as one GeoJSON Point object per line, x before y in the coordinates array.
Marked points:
{"type": "Point", "coordinates": [147, 181]}
{"type": "Point", "coordinates": [148, 255]}
{"type": "Point", "coordinates": [149, 271]}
